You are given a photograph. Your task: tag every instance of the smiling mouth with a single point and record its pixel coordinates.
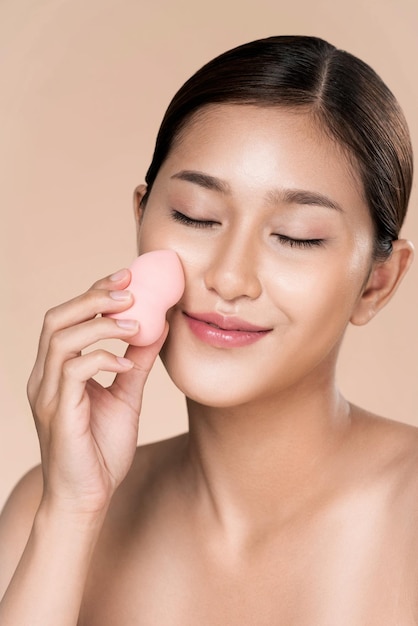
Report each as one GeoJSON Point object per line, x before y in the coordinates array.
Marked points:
{"type": "Point", "coordinates": [226, 324]}
{"type": "Point", "coordinates": [237, 330]}
{"type": "Point", "coordinates": [224, 332]}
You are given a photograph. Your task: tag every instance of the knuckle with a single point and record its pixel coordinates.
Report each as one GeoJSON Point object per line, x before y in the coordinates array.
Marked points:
{"type": "Point", "coordinates": [34, 385]}
{"type": "Point", "coordinates": [69, 368]}
{"type": "Point", "coordinates": [56, 340]}
{"type": "Point", "coordinates": [95, 299]}
{"type": "Point", "coordinates": [98, 358]}
{"type": "Point", "coordinates": [31, 389]}
{"type": "Point", "coordinates": [102, 357]}
{"type": "Point", "coordinates": [96, 355]}
{"type": "Point", "coordinates": [99, 284]}
{"type": "Point", "coordinates": [96, 285]}
{"type": "Point", "coordinates": [50, 318]}
{"type": "Point", "coordinates": [91, 294]}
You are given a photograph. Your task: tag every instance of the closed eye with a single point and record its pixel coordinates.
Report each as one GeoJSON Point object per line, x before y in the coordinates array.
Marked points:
{"type": "Point", "coordinates": [289, 241]}
{"type": "Point", "coordinates": [188, 221]}
{"type": "Point", "coordinates": [299, 243]}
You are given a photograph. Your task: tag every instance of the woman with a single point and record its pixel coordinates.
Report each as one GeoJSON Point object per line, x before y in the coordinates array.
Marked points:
{"type": "Point", "coordinates": [281, 177]}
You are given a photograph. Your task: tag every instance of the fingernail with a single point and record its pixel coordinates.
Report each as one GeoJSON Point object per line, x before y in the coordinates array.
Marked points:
{"type": "Point", "coordinates": [118, 275]}
{"type": "Point", "coordinates": [125, 362]}
{"type": "Point", "coordinates": [127, 324]}
{"type": "Point", "coordinates": [120, 295]}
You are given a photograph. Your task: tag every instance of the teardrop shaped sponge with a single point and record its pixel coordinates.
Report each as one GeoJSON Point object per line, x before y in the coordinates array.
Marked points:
{"type": "Point", "coordinates": [157, 284]}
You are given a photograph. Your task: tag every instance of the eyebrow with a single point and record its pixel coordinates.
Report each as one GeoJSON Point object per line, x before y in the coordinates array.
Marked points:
{"type": "Point", "coordinates": [302, 196]}
{"type": "Point", "coordinates": [274, 196]}
{"type": "Point", "coordinates": [204, 180]}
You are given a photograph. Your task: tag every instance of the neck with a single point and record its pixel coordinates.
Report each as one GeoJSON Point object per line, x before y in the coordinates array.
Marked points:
{"type": "Point", "coordinates": [260, 464]}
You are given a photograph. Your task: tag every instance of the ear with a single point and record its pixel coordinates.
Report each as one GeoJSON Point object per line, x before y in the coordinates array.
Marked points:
{"type": "Point", "coordinates": [139, 206]}
{"type": "Point", "coordinates": [383, 281]}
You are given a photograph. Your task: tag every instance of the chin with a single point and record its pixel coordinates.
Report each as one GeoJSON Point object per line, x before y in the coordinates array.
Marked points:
{"type": "Point", "coordinates": [219, 379]}
{"type": "Point", "coordinates": [240, 377]}
{"type": "Point", "coordinates": [203, 388]}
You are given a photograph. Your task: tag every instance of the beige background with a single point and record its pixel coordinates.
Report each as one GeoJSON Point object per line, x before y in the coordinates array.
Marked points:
{"type": "Point", "coordinates": [84, 84]}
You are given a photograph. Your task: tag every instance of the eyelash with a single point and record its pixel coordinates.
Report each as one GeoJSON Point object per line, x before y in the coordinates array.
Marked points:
{"type": "Point", "coordinates": [184, 219]}
{"type": "Point", "coordinates": [300, 243]}
{"type": "Point", "coordinates": [293, 243]}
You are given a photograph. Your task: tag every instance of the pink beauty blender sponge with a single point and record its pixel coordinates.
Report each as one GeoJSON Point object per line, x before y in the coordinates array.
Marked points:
{"type": "Point", "coordinates": [157, 284]}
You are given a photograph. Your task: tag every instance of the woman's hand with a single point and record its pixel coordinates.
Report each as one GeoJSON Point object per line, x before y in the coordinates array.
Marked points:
{"type": "Point", "coordinates": [87, 433]}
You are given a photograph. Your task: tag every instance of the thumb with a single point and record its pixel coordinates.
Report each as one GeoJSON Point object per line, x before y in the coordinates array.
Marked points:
{"type": "Point", "coordinates": [128, 386]}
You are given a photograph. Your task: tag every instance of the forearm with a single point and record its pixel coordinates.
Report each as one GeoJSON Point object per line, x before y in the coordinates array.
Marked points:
{"type": "Point", "coordinates": [47, 587]}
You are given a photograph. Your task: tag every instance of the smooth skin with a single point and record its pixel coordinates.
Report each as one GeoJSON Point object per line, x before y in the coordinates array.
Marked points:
{"type": "Point", "coordinates": [284, 504]}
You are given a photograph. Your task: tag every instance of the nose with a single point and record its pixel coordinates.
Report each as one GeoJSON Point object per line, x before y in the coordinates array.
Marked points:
{"type": "Point", "coordinates": [233, 269]}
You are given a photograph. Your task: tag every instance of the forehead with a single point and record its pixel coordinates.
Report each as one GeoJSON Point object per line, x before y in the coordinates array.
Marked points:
{"type": "Point", "coordinates": [255, 148]}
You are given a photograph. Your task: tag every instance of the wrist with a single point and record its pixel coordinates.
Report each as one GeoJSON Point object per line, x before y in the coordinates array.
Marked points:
{"type": "Point", "coordinates": [67, 516]}
{"type": "Point", "coordinates": [49, 581]}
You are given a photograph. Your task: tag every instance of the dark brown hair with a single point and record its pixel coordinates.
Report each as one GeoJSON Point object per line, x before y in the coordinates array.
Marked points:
{"type": "Point", "coordinates": [351, 101]}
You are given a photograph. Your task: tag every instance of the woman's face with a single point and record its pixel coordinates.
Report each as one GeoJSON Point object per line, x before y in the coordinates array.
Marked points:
{"type": "Point", "coordinates": [275, 238]}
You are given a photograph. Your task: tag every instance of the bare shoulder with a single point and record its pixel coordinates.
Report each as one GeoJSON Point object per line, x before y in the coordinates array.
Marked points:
{"type": "Point", "coordinates": [391, 449]}
{"type": "Point", "coordinates": [153, 470]}
{"type": "Point", "coordinates": [152, 460]}
{"type": "Point", "coordinates": [16, 522]}
{"type": "Point", "coordinates": [389, 435]}
{"type": "Point", "coordinates": [157, 454]}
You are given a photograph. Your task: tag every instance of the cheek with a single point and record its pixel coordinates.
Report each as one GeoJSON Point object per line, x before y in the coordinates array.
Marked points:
{"type": "Point", "coordinates": [152, 236]}
{"type": "Point", "coordinates": [326, 287]}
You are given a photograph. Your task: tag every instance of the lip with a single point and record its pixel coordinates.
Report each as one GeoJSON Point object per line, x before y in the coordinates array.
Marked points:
{"type": "Point", "coordinates": [224, 331]}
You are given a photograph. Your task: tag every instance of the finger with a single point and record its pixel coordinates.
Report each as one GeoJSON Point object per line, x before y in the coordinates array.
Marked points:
{"type": "Point", "coordinates": [77, 371]}
{"type": "Point", "coordinates": [68, 344]}
{"type": "Point", "coordinates": [96, 300]}
{"type": "Point", "coordinates": [128, 386]}
{"type": "Point", "coordinates": [118, 280]}
{"type": "Point", "coordinates": [82, 308]}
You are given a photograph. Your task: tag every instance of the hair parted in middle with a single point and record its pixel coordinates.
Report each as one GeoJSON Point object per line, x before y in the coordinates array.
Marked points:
{"type": "Point", "coordinates": [344, 94]}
